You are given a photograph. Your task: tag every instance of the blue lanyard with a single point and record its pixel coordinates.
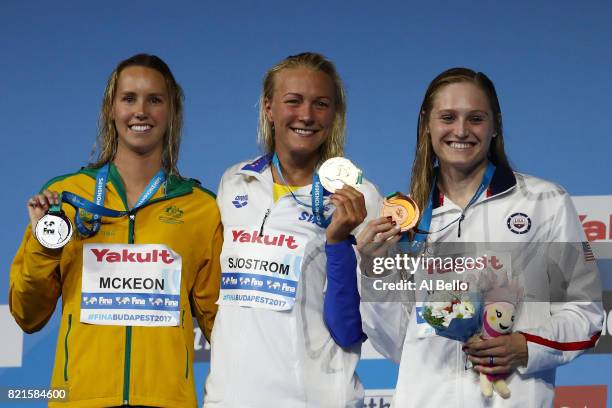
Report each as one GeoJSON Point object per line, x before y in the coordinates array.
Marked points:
{"type": "Point", "coordinates": [97, 207]}
{"type": "Point", "coordinates": [425, 223]}
{"type": "Point", "coordinates": [316, 195]}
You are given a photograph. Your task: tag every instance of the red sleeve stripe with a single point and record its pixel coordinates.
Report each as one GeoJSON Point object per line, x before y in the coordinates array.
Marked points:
{"type": "Point", "coordinates": [570, 346]}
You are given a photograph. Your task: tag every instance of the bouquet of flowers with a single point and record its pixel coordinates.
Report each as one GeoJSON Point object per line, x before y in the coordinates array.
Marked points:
{"type": "Point", "coordinates": [456, 316]}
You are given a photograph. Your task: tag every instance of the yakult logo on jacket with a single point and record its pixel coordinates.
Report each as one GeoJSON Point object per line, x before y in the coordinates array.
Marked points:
{"type": "Point", "coordinates": [519, 223]}
{"type": "Point", "coordinates": [240, 201]}
{"type": "Point", "coordinates": [265, 239]}
{"type": "Point", "coordinates": [126, 256]}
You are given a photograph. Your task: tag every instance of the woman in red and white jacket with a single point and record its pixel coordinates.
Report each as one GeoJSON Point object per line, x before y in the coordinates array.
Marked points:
{"type": "Point", "coordinates": [463, 181]}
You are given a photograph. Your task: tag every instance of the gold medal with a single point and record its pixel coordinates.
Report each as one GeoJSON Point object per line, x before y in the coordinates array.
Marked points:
{"type": "Point", "coordinates": [338, 171]}
{"type": "Point", "coordinates": [402, 209]}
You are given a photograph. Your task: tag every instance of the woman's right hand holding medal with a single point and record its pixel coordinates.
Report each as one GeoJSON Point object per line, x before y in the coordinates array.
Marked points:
{"type": "Point", "coordinates": [399, 213]}
{"type": "Point", "coordinates": [377, 236]}
{"type": "Point", "coordinates": [39, 204]}
{"type": "Point", "coordinates": [374, 241]}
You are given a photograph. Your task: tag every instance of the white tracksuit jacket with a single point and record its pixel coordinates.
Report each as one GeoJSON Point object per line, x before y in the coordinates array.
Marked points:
{"type": "Point", "coordinates": [432, 369]}
{"type": "Point", "coordinates": [268, 358]}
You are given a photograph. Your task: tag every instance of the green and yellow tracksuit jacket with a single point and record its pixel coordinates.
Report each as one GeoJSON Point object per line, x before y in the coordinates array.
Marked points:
{"type": "Point", "coordinates": [103, 366]}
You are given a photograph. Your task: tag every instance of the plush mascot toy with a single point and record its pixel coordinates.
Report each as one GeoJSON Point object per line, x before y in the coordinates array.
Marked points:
{"type": "Point", "coordinates": [497, 319]}
{"type": "Point", "coordinates": [501, 297]}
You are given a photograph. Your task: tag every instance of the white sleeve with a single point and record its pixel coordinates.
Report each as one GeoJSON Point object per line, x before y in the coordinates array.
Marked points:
{"type": "Point", "coordinates": [384, 322]}
{"type": "Point", "coordinates": [373, 202]}
{"type": "Point", "coordinates": [384, 318]}
{"type": "Point", "coordinates": [222, 183]}
{"type": "Point", "coordinates": [574, 324]}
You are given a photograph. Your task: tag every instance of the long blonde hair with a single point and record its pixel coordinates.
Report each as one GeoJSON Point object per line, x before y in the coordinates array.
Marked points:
{"type": "Point", "coordinates": [425, 159]}
{"type": "Point", "coordinates": [334, 144]}
{"type": "Point", "coordinates": [106, 142]}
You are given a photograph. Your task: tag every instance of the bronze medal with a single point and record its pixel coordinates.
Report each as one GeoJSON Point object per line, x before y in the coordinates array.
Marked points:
{"type": "Point", "coordinates": [402, 209]}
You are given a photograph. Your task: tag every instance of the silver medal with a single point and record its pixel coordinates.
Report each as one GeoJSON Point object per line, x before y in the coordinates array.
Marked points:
{"type": "Point", "coordinates": [53, 230]}
{"type": "Point", "coordinates": [338, 171]}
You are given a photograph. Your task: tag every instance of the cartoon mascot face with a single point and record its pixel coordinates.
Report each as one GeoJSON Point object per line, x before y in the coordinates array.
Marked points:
{"type": "Point", "coordinates": [499, 316]}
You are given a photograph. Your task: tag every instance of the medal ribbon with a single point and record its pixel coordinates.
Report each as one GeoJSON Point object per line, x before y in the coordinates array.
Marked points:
{"type": "Point", "coordinates": [56, 208]}
{"type": "Point", "coordinates": [425, 223]}
{"type": "Point", "coordinates": [97, 207]}
{"type": "Point", "coordinates": [316, 195]}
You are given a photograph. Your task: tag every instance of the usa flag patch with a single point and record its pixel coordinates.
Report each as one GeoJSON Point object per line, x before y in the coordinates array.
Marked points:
{"type": "Point", "coordinates": [588, 252]}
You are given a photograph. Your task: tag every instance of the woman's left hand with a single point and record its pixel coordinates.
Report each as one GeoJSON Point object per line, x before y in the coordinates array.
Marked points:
{"type": "Point", "coordinates": [350, 212]}
{"type": "Point", "coordinates": [507, 351]}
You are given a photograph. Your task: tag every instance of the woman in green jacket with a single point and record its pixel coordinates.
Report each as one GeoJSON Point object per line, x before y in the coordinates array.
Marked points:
{"type": "Point", "coordinates": [144, 259]}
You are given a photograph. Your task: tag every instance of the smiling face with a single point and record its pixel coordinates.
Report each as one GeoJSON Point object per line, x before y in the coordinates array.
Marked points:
{"type": "Point", "coordinates": [302, 110]}
{"type": "Point", "coordinates": [500, 317]}
{"type": "Point", "coordinates": [461, 125]}
{"type": "Point", "coordinates": [140, 110]}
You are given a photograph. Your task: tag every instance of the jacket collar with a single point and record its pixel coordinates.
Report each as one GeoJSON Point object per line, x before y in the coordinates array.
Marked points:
{"type": "Point", "coordinates": [259, 164]}
{"type": "Point", "coordinates": [175, 185]}
{"type": "Point", "coordinates": [262, 163]}
{"type": "Point", "coordinates": [503, 180]}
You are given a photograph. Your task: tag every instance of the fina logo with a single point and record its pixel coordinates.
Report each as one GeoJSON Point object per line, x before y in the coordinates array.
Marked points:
{"type": "Point", "coordinates": [519, 223]}
{"type": "Point", "coordinates": [240, 201]}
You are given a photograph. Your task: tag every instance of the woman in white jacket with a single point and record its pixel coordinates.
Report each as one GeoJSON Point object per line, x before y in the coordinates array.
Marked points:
{"type": "Point", "coordinates": [463, 181]}
{"type": "Point", "coordinates": [288, 332]}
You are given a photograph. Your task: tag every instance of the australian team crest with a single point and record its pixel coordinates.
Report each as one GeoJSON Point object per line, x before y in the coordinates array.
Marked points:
{"type": "Point", "coordinates": [519, 223]}
{"type": "Point", "coordinates": [172, 215]}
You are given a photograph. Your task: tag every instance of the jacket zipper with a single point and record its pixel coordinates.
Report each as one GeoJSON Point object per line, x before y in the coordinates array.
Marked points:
{"type": "Point", "coordinates": [460, 219]}
{"type": "Point", "coordinates": [466, 208]}
{"type": "Point", "coordinates": [186, 349]}
{"type": "Point", "coordinates": [263, 222]}
{"type": "Point", "coordinates": [66, 347]}
{"type": "Point", "coordinates": [268, 212]}
{"type": "Point", "coordinates": [128, 329]}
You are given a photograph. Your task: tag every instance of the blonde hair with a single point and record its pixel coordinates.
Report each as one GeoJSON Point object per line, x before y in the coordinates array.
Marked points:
{"type": "Point", "coordinates": [334, 144]}
{"type": "Point", "coordinates": [425, 159]}
{"type": "Point", "coordinates": [106, 142]}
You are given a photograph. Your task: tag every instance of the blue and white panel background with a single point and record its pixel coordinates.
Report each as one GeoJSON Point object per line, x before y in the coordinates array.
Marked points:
{"type": "Point", "coordinates": [550, 62]}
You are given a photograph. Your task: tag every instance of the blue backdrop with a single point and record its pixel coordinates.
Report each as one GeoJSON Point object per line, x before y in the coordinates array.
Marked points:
{"type": "Point", "coordinates": [550, 60]}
